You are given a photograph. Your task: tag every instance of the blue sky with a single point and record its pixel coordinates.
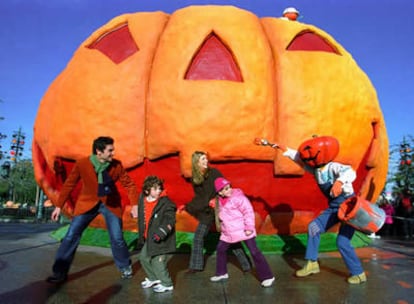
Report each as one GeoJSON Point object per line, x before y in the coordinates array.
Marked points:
{"type": "Point", "coordinates": [38, 38]}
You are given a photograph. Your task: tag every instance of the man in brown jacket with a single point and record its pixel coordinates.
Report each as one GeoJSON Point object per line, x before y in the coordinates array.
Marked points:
{"type": "Point", "coordinates": [97, 174]}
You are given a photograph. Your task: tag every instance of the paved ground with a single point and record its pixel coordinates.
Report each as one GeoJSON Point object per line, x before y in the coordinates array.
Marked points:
{"type": "Point", "coordinates": [27, 252]}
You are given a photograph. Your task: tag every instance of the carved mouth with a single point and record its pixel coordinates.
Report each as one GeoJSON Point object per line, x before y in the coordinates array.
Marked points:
{"type": "Point", "coordinates": [267, 190]}
{"type": "Point", "coordinates": [311, 161]}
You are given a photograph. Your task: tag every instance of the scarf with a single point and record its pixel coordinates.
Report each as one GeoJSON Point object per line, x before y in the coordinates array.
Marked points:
{"type": "Point", "coordinates": [99, 167]}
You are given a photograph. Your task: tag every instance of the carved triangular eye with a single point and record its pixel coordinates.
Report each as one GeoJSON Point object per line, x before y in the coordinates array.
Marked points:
{"type": "Point", "coordinates": [116, 44]}
{"type": "Point", "coordinates": [310, 41]}
{"type": "Point", "coordinates": [213, 61]}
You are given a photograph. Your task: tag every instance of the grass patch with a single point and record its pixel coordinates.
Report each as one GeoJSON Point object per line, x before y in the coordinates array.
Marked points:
{"type": "Point", "coordinates": [268, 244]}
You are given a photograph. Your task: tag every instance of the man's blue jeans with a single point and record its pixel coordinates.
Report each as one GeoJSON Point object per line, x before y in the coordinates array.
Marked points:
{"type": "Point", "coordinates": [70, 242]}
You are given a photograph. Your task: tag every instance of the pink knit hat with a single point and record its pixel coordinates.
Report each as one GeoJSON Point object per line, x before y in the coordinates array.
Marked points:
{"type": "Point", "coordinates": [220, 183]}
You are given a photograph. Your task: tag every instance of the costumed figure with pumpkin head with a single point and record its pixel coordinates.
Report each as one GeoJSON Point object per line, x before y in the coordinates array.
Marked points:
{"type": "Point", "coordinates": [316, 156]}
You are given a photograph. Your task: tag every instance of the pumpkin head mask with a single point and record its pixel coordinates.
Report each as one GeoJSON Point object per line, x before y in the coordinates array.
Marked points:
{"type": "Point", "coordinates": [318, 151]}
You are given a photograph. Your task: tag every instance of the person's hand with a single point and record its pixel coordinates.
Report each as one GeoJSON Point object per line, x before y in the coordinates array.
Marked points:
{"type": "Point", "coordinates": [279, 146]}
{"type": "Point", "coordinates": [248, 232]}
{"type": "Point", "coordinates": [181, 208]}
{"type": "Point", "coordinates": [134, 211]}
{"type": "Point", "coordinates": [336, 189]}
{"type": "Point", "coordinates": [52, 194]}
{"type": "Point", "coordinates": [156, 238]}
{"type": "Point", "coordinates": [55, 214]}
{"type": "Point", "coordinates": [68, 209]}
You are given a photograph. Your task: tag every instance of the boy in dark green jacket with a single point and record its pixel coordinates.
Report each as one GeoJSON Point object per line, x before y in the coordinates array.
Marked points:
{"type": "Point", "coordinates": [156, 227]}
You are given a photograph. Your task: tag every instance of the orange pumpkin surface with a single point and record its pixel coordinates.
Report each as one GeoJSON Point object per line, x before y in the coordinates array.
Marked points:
{"type": "Point", "coordinates": [213, 78]}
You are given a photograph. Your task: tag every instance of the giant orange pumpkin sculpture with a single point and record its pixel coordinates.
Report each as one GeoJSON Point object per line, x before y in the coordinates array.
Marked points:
{"type": "Point", "coordinates": [213, 78]}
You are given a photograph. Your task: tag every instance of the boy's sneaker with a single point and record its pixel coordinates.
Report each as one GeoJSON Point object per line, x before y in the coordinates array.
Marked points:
{"type": "Point", "coordinates": [219, 278]}
{"type": "Point", "coordinates": [268, 282]}
{"type": "Point", "coordinates": [162, 288]}
{"type": "Point", "coordinates": [126, 273]}
{"type": "Point", "coordinates": [147, 283]}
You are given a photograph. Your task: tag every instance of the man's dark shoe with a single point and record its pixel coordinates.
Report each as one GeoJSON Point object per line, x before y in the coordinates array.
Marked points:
{"type": "Point", "coordinates": [57, 278]}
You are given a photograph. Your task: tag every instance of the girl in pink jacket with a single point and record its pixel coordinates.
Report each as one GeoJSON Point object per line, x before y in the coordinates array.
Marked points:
{"type": "Point", "coordinates": [237, 223]}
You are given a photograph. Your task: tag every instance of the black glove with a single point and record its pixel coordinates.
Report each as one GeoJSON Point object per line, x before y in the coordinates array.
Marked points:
{"type": "Point", "coordinates": [156, 238]}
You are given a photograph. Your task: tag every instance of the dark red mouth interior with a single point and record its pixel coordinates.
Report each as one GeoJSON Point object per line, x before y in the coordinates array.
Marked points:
{"type": "Point", "coordinates": [266, 192]}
